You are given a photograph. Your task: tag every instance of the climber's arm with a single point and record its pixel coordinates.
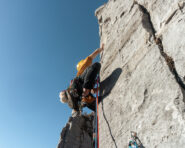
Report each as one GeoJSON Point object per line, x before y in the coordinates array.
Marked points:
{"type": "Point", "coordinates": [94, 90]}
{"type": "Point", "coordinates": [86, 91]}
{"type": "Point", "coordinates": [96, 52]}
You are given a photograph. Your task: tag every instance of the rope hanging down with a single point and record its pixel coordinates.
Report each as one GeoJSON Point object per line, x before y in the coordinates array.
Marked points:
{"type": "Point", "coordinates": [97, 116]}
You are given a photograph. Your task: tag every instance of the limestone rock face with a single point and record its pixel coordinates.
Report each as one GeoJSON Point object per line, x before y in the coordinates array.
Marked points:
{"type": "Point", "coordinates": [142, 75]}
{"type": "Point", "coordinates": [77, 133]}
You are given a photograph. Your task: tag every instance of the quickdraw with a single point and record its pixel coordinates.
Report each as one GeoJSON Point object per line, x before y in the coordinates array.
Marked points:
{"type": "Point", "coordinates": [133, 142]}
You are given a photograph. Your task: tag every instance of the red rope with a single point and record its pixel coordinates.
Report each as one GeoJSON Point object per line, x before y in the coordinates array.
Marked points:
{"type": "Point", "coordinates": [97, 112]}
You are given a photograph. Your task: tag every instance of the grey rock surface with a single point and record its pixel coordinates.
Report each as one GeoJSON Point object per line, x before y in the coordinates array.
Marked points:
{"type": "Point", "coordinates": [77, 133]}
{"type": "Point", "coordinates": [143, 65]}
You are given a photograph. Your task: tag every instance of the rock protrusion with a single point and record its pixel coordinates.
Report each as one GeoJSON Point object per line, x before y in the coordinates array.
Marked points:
{"type": "Point", "coordinates": [78, 132]}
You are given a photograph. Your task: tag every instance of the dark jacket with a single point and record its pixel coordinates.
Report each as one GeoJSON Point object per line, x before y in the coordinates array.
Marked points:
{"type": "Point", "coordinates": [86, 80]}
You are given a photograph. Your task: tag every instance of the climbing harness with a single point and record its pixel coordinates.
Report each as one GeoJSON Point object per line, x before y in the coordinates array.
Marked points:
{"type": "Point", "coordinates": [88, 99]}
{"type": "Point", "coordinates": [97, 116]}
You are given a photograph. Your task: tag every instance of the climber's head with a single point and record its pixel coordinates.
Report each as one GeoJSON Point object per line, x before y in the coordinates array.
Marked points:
{"type": "Point", "coordinates": [63, 96]}
{"type": "Point", "coordinates": [80, 64]}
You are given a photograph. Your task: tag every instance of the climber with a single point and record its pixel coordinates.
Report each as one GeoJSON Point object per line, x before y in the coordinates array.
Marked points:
{"type": "Point", "coordinates": [79, 93]}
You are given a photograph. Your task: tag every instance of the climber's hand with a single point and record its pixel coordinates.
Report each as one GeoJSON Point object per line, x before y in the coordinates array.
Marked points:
{"type": "Point", "coordinates": [94, 90]}
{"type": "Point", "coordinates": [101, 48]}
{"type": "Point", "coordinates": [97, 51]}
{"type": "Point", "coordinates": [85, 92]}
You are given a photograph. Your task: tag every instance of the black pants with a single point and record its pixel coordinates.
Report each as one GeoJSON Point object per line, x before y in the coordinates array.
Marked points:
{"type": "Point", "coordinates": [89, 75]}
{"type": "Point", "coordinates": [92, 106]}
{"type": "Point", "coordinates": [89, 80]}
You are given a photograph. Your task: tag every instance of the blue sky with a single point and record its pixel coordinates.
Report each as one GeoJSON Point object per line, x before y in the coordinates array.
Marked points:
{"type": "Point", "coordinates": [41, 41]}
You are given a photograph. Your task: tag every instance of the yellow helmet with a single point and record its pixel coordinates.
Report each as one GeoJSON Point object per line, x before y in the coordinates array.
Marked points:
{"type": "Point", "coordinates": [83, 64]}
{"type": "Point", "coordinates": [79, 65]}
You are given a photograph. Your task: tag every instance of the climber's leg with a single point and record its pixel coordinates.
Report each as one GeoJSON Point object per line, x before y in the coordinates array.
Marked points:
{"type": "Point", "coordinates": [90, 74]}
{"type": "Point", "coordinates": [92, 106]}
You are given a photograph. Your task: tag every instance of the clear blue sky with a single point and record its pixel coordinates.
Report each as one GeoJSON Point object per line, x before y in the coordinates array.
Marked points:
{"type": "Point", "coordinates": [41, 41]}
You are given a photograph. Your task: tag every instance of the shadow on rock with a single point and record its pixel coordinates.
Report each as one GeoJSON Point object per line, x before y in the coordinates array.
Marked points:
{"type": "Point", "coordinates": [105, 89]}
{"type": "Point", "coordinates": [108, 84]}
